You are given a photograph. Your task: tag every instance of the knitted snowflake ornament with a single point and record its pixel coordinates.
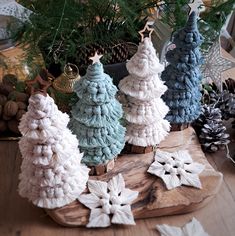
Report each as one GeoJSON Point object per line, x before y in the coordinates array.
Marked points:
{"type": "Point", "coordinates": [193, 228]}
{"type": "Point", "coordinates": [109, 202]}
{"type": "Point", "coordinates": [176, 169]}
{"type": "Point", "coordinates": [51, 173]}
{"type": "Point", "coordinates": [144, 109]}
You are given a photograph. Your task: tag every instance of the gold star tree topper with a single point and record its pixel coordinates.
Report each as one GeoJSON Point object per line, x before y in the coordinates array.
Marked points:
{"type": "Point", "coordinates": [145, 32]}
{"type": "Point", "coordinates": [38, 85]}
{"type": "Point", "coordinates": [96, 58]}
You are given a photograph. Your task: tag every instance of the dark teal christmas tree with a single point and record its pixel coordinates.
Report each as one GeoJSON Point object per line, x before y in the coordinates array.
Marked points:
{"type": "Point", "coordinates": [95, 117]}
{"type": "Point", "coordinates": [182, 76]}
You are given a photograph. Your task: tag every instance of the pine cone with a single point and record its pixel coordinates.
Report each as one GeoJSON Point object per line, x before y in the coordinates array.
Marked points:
{"type": "Point", "coordinates": [113, 53]}
{"type": "Point", "coordinates": [229, 85]}
{"type": "Point", "coordinates": [224, 100]}
{"type": "Point", "coordinates": [233, 124]}
{"type": "Point", "coordinates": [208, 113]}
{"type": "Point", "coordinates": [227, 104]}
{"type": "Point", "coordinates": [212, 135]}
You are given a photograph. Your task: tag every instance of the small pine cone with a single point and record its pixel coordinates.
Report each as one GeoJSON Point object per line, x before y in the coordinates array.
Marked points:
{"type": "Point", "coordinates": [213, 136]}
{"type": "Point", "coordinates": [229, 85]}
{"type": "Point", "coordinates": [208, 112]}
{"type": "Point", "coordinates": [233, 124]}
{"type": "Point", "coordinates": [227, 104]}
{"type": "Point", "coordinates": [211, 131]}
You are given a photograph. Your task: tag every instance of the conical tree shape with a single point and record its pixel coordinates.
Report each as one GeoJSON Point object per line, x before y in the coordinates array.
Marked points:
{"type": "Point", "coordinates": [51, 173]}
{"type": "Point", "coordinates": [182, 76]}
{"type": "Point", "coordinates": [144, 109]}
{"type": "Point", "coordinates": [95, 118]}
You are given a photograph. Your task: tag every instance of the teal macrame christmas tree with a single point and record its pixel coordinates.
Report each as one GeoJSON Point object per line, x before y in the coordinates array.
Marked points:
{"type": "Point", "coordinates": [182, 76]}
{"type": "Point", "coordinates": [95, 117]}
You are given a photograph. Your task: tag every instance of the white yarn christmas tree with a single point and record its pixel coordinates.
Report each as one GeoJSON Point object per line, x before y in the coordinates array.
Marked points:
{"type": "Point", "coordinates": [51, 173]}
{"type": "Point", "coordinates": [144, 109]}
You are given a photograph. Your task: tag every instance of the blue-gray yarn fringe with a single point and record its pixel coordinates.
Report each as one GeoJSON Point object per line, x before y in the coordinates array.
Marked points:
{"type": "Point", "coordinates": [182, 76]}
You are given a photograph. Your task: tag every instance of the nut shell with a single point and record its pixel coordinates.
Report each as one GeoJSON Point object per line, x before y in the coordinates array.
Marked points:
{"type": "Point", "coordinates": [3, 99]}
{"type": "Point", "coordinates": [21, 105]}
{"type": "Point", "coordinates": [6, 89]}
{"type": "Point", "coordinates": [9, 79]}
{"type": "Point", "coordinates": [3, 125]}
{"type": "Point", "coordinates": [19, 114]}
{"type": "Point", "coordinates": [13, 126]}
{"type": "Point", "coordinates": [10, 108]}
{"type": "Point", "coordinates": [4, 117]}
{"type": "Point", "coordinates": [18, 96]}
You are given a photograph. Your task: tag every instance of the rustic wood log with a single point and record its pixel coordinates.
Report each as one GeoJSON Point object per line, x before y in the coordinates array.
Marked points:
{"type": "Point", "coordinates": [133, 149]}
{"type": "Point", "coordinates": [154, 199]}
{"type": "Point", "coordinates": [102, 168]}
{"type": "Point", "coordinates": [179, 127]}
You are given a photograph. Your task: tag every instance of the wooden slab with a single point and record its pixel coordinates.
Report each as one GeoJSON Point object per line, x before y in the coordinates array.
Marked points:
{"type": "Point", "coordinates": [154, 199]}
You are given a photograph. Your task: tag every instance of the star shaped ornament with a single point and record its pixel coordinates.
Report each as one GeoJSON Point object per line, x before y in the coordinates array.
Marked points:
{"type": "Point", "coordinates": [176, 169]}
{"type": "Point", "coordinates": [193, 228]}
{"type": "Point", "coordinates": [214, 65]}
{"type": "Point", "coordinates": [109, 202]}
{"type": "Point", "coordinates": [38, 85]}
{"type": "Point", "coordinates": [95, 58]}
{"type": "Point", "coordinates": [146, 32]}
{"type": "Point", "coordinates": [195, 5]}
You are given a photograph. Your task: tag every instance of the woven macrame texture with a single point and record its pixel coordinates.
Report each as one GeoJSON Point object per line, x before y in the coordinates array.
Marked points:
{"type": "Point", "coordinates": [176, 169]}
{"type": "Point", "coordinates": [109, 202]}
{"type": "Point", "coordinates": [51, 173]}
{"type": "Point", "coordinates": [144, 110]}
{"type": "Point", "coordinates": [95, 117]}
{"type": "Point", "coordinates": [193, 228]}
{"type": "Point", "coordinates": [182, 75]}
{"type": "Point", "coordinates": [12, 8]}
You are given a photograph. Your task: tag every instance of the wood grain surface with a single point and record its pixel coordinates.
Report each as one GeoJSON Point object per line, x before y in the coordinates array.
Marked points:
{"type": "Point", "coordinates": [20, 218]}
{"type": "Point", "coordinates": [154, 199]}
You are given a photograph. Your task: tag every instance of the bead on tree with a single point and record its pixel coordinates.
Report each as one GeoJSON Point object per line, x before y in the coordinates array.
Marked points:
{"type": "Point", "coordinates": [182, 76]}
{"type": "Point", "coordinates": [141, 92]}
{"type": "Point", "coordinates": [95, 118]}
{"type": "Point", "coordinates": [51, 173]}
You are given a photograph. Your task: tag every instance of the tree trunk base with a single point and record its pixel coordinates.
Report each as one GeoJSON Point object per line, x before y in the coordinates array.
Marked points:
{"type": "Point", "coordinates": [179, 127]}
{"type": "Point", "coordinates": [153, 199]}
{"type": "Point", "coordinates": [102, 168]}
{"type": "Point", "coordinates": [133, 149]}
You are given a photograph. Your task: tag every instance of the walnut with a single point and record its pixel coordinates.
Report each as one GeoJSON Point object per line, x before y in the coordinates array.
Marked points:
{"type": "Point", "coordinates": [10, 108]}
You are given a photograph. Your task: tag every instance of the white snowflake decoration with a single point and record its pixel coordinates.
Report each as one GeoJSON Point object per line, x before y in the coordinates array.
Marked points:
{"type": "Point", "coordinates": [107, 199]}
{"type": "Point", "coordinates": [214, 64]}
{"type": "Point", "coordinates": [176, 169]}
{"type": "Point", "coordinates": [193, 228]}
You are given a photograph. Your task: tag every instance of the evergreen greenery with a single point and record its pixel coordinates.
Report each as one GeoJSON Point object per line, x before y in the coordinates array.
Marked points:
{"type": "Point", "coordinates": [210, 21]}
{"type": "Point", "coordinates": [63, 28]}
{"type": "Point", "coordinates": [68, 30]}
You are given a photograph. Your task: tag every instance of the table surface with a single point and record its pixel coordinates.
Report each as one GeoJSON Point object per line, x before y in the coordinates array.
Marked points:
{"type": "Point", "coordinates": [20, 218]}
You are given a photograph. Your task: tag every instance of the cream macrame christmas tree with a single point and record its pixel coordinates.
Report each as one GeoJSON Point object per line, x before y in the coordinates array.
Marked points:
{"type": "Point", "coordinates": [143, 107]}
{"type": "Point", "coordinates": [51, 173]}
